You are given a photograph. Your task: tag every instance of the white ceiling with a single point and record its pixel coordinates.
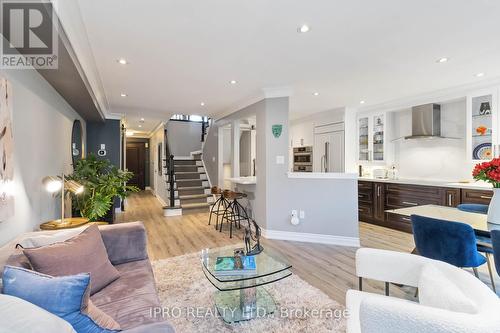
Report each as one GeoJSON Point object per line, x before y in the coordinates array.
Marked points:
{"type": "Point", "coordinates": [185, 52]}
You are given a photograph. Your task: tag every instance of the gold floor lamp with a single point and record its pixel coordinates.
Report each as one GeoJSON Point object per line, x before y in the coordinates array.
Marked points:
{"type": "Point", "coordinates": [54, 184]}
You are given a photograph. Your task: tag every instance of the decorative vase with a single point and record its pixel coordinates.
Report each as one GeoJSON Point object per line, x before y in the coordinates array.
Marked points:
{"type": "Point", "coordinates": [494, 208]}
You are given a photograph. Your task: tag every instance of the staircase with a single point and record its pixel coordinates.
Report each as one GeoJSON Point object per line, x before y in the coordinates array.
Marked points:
{"type": "Point", "coordinates": [191, 187]}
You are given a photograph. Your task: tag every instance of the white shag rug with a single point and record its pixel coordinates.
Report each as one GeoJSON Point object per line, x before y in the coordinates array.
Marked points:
{"type": "Point", "coordinates": [187, 299]}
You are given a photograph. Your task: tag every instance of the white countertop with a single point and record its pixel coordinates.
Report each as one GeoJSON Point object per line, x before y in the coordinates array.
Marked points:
{"type": "Point", "coordinates": [441, 183]}
{"type": "Point", "coordinates": [244, 180]}
{"type": "Point", "coordinates": [322, 175]}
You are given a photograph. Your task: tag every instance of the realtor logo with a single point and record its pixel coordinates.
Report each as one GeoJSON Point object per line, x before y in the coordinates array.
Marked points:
{"type": "Point", "coordinates": [29, 35]}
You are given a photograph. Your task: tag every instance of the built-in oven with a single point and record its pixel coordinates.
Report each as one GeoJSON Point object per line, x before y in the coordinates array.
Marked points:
{"type": "Point", "coordinates": [303, 159]}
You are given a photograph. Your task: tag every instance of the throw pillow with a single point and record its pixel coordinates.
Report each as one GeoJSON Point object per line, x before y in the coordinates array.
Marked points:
{"type": "Point", "coordinates": [14, 318]}
{"type": "Point", "coordinates": [48, 239]}
{"type": "Point", "coordinates": [436, 290]}
{"type": "Point", "coordinates": [67, 297]}
{"type": "Point", "coordinates": [80, 254]}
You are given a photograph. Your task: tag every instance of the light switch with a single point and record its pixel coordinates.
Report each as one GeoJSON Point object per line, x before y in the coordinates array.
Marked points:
{"type": "Point", "coordinates": [302, 214]}
{"type": "Point", "coordinates": [213, 158]}
{"type": "Point", "coordinates": [280, 159]}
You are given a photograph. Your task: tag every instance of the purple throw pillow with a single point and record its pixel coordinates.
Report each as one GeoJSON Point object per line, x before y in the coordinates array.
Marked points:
{"type": "Point", "coordinates": [84, 253]}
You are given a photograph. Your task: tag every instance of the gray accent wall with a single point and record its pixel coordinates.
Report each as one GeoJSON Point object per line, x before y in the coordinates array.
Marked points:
{"type": "Point", "coordinates": [108, 133]}
{"type": "Point", "coordinates": [42, 123]}
{"type": "Point", "coordinates": [184, 137]}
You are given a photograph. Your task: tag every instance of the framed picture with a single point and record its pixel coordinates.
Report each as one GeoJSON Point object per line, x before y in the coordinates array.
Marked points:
{"type": "Point", "coordinates": [160, 159]}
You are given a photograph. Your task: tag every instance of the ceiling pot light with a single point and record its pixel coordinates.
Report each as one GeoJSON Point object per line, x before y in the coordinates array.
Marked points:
{"type": "Point", "coordinates": [316, 93]}
{"type": "Point", "coordinates": [442, 60]}
{"type": "Point", "coordinates": [202, 103]}
{"type": "Point", "coordinates": [303, 28]}
{"type": "Point", "coordinates": [232, 81]}
{"type": "Point", "coordinates": [140, 126]}
{"type": "Point", "coordinates": [123, 95]}
{"type": "Point", "coordinates": [479, 74]}
{"type": "Point", "coordinates": [129, 133]}
{"type": "Point", "coordinates": [142, 120]}
{"type": "Point", "coordinates": [122, 61]}
{"type": "Point", "coordinates": [362, 102]}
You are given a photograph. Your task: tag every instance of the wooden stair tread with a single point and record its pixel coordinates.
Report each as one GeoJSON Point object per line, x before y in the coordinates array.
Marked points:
{"type": "Point", "coordinates": [190, 180]}
{"type": "Point", "coordinates": [192, 188]}
{"type": "Point", "coordinates": [188, 172]}
{"type": "Point", "coordinates": [195, 205]}
{"type": "Point", "coordinates": [194, 196]}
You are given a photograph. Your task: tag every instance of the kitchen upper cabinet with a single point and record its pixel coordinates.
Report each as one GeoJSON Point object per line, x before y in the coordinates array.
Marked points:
{"type": "Point", "coordinates": [372, 136]}
{"type": "Point", "coordinates": [482, 125]}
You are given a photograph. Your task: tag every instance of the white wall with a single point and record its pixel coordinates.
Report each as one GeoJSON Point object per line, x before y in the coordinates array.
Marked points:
{"type": "Point", "coordinates": [439, 159]}
{"type": "Point", "coordinates": [184, 137]}
{"type": "Point", "coordinates": [157, 182]}
{"type": "Point", "coordinates": [42, 123]}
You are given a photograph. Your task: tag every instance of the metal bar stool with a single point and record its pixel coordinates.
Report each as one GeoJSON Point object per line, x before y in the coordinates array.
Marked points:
{"type": "Point", "coordinates": [235, 212]}
{"type": "Point", "coordinates": [216, 206]}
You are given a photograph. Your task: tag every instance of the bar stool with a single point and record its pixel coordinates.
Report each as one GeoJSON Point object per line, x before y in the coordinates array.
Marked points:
{"type": "Point", "coordinates": [234, 212]}
{"type": "Point", "coordinates": [216, 206]}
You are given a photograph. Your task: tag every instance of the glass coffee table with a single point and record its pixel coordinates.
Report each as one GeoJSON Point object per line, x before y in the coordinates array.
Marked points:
{"type": "Point", "coordinates": [241, 297]}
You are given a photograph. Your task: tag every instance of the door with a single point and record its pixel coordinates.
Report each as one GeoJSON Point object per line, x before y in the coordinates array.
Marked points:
{"type": "Point", "coordinates": [136, 158]}
{"type": "Point", "coordinates": [328, 152]}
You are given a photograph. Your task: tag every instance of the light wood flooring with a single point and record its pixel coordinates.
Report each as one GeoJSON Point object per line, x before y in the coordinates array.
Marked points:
{"type": "Point", "coordinates": [327, 267]}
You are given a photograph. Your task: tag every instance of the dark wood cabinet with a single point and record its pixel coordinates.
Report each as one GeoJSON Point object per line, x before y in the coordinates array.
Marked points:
{"type": "Point", "coordinates": [451, 197]}
{"type": "Point", "coordinates": [375, 198]}
{"type": "Point", "coordinates": [476, 196]}
{"type": "Point", "coordinates": [379, 202]}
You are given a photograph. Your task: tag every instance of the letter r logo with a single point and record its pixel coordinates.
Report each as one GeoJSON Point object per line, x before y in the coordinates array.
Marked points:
{"type": "Point", "coordinates": [27, 27]}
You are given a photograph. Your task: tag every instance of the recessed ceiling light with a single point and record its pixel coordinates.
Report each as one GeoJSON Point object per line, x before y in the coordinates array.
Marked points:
{"type": "Point", "coordinates": [122, 61]}
{"type": "Point", "coordinates": [142, 119]}
{"type": "Point", "coordinates": [361, 102]}
{"type": "Point", "coordinates": [129, 132]}
{"type": "Point", "coordinates": [123, 95]}
{"type": "Point", "coordinates": [233, 82]}
{"type": "Point", "coordinates": [442, 60]}
{"type": "Point", "coordinates": [316, 93]}
{"type": "Point", "coordinates": [140, 126]}
{"type": "Point", "coordinates": [479, 74]}
{"type": "Point", "coordinates": [303, 28]}
{"type": "Point", "coordinates": [202, 103]}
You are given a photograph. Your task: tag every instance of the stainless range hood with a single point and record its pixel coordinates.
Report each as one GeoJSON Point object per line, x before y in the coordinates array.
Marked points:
{"type": "Point", "coordinates": [426, 122]}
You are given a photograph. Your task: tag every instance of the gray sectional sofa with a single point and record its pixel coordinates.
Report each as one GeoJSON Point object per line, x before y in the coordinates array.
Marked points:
{"type": "Point", "coordinates": [130, 299]}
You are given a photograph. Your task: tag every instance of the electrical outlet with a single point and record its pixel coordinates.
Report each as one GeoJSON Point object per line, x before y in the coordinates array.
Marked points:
{"type": "Point", "coordinates": [302, 214]}
{"type": "Point", "coordinates": [280, 159]}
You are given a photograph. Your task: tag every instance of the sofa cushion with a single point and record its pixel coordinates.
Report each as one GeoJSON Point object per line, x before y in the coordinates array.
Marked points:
{"type": "Point", "coordinates": [13, 318]}
{"type": "Point", "coordinates": [436, 290]}
{"type": "Point", "coordinates": [66, 297]}
{"type": "Point", "coordinates": [80, 254]}
{"type": "Point", "coordinates": [130, 299]}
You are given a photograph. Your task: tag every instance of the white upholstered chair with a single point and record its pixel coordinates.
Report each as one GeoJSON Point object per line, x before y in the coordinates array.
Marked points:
{"type": "Point", "coordinates": [451, 300]}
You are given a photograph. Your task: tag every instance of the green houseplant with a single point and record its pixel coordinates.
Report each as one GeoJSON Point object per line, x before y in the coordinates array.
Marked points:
{"type": "Point", "coordinates": [103, 182]}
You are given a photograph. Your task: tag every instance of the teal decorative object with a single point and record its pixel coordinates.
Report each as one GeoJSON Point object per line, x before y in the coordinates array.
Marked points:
{"type": "Point", "coordinates": [277, 129]}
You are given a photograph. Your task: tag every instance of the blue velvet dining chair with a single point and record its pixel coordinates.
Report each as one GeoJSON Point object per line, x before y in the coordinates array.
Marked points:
{"type": "Point", "coordinates": [474, 208]}
{"type": "Point", "coordinates": [495, 240]}
{"type": "Point", "coordinates": [451, 242]}
{"type": "Point", "coordinates": [484, 243]}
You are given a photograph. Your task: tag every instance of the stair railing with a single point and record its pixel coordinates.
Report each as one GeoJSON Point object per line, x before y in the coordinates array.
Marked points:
{"type": "Point", "coordinates": [170, 170]}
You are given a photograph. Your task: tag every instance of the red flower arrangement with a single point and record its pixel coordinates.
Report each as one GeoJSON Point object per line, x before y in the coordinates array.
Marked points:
{"type": "Point", "coordinates": [488, 172]}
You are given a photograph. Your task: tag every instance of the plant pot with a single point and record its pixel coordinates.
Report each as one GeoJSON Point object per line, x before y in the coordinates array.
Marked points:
{"type": "Point", "coordinates": [494, 208]}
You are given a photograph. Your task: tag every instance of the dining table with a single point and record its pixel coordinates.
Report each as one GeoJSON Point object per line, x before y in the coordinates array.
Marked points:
{"type": "Point", "coordinates": [479, 222]}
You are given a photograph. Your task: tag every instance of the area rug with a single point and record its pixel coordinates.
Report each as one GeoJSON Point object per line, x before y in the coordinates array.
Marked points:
{"type": "Point", "coordinates": [187, 299]}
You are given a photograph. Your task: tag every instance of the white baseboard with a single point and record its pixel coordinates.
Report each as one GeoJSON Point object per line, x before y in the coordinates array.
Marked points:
{"type": "Point", "coordinates": [147, 188]}
{"type": "Point", "coordinates": [172, 212]}
{"type": "Point", "coordinates": [163, 203]}
{"type": "Point", "coordinates": [311, 238]}
{"type": "Point", "coordinates": [183, 158]}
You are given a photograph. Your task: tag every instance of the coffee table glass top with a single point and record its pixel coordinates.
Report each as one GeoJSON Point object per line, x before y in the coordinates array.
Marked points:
{"type": "Point", "coordinates": [271, 267]}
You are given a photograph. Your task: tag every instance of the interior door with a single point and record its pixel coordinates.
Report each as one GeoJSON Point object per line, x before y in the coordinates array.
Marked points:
{"type": "Point", "coordinates": [136, 158]}
{"type": "Point", "coordinates": [328, 152]}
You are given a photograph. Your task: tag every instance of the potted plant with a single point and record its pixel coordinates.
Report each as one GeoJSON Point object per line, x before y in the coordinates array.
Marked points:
{"type": "Point", "coordinates": [490, 173]}
{"type": "Point", "coordinates": [103, 182]}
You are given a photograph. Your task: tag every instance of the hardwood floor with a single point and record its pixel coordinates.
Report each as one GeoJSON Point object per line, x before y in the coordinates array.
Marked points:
{"type": "Point", "coordinates": [327, 267]}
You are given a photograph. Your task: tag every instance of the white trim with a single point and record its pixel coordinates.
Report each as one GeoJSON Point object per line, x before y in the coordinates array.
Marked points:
{"type": "Point", "coordinates": [147, 188]}
{"type": "Point", "coordinates": [172, 212]}
{"type": "Point", "coordinates": [163, 203]}
{"type": "Point", "coordinates": [311, 238]}
{"type": "Point", "coordinates": [274, 92]}
{"type": "Point", "coordinates": [322, 175]}
{"type": "Point", "coordinates": [183, 158]}
{"type": "Point", "coordinates": [115, 116]}
{"type": "Point", "coordinates": [196, 152]}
